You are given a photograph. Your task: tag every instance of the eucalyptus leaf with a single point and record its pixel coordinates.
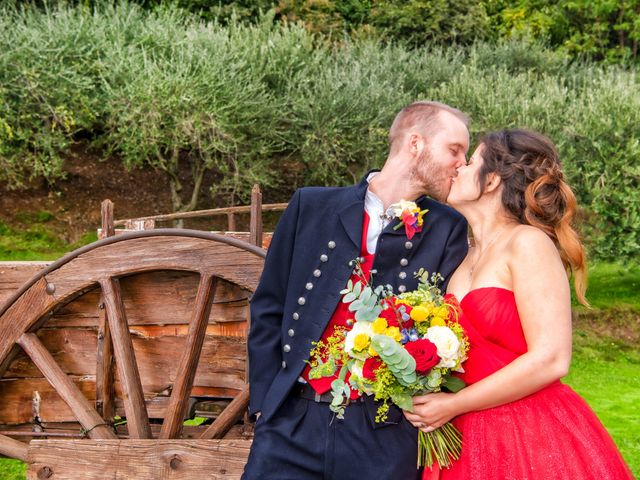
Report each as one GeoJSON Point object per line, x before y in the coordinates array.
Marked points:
{"type": "Point", "coordinates": [355, 305]}
{"type": "Point", "coordinates": [403, 400]}
{"type": "Point", "coordinates": [453, 384]}
{"type": "Point", "coordinates": [349, 297]}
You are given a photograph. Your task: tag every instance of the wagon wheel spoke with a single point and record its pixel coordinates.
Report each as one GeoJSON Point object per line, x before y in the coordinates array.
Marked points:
{"type": "Point", "coordinates": [186, 371]}
{"type": "Point", "coordinates": [88, 417]}
{"type": "Point", "coordinates": [13, 448]}
{"type": "Point", "coordinates": [135, 409]}
{"type": "Point", "coordinates": [229, 416]}
{"type": "Point", "coordinates": [104, 367]}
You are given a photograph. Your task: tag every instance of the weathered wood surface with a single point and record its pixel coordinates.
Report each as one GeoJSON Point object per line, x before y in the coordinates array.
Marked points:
{"type": "Point", "coordinates": [17, 398]}
{"type": "Point", "coordinates": [220, 372]}
{"type": "Point", "coordinates": [14, 274]}
{"type": "Point", "coordinates": [25, 432]}
{"type": "Point", "coordinates": [126, 364]}
{"type": "Point", "coordinates": [229, 416]}
{"type": "Point", "coordinates": [13, 448]}
{"type": "Point", "coordinates": [189, 360]}
{"type": "Point", "coordinates": [75, 351]}
{"type": "Point", "coordinates": [255, 221]}
{"type": "Point", "coordinates": [72, 396]}
{"type": "Point", "coordinates": [150, 253]}
{"type": "Point", "coordinates": [32, 305]}
{"type": "Point", "coordinates": [105, 367]}
{"type": "Point", "coordinates": [139, 459]}
{"type": "Point", "coordinates": [106, 212]}
{"type": "Point", "coordinates": [147, 296]}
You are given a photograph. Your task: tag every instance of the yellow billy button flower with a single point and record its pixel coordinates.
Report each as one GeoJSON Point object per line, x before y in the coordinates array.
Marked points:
{"type": "Point", "coordinates": [419, 313]}
{"type": "Point", "coordinates": [361, 342]}
{"type": "Point", "coordinates": [379, 325]}
{"type": "Point", "coordinates": [440, 316]}
{"type": "Point", "coordinates": [372, 352]}
{"type": "Point", "coordinates": [393, 332]}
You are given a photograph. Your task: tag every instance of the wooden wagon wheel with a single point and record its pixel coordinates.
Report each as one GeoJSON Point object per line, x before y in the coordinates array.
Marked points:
{"type": "Point", "coordinates": [102, 265]}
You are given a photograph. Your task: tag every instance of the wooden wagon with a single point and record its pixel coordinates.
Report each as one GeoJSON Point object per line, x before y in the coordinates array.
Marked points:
{"type": "Point", "coordinates": [106, 352]}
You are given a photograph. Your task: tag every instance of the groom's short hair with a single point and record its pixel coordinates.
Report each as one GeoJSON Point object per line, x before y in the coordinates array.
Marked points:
{"type": "Point", "coordinates": [422, 115]}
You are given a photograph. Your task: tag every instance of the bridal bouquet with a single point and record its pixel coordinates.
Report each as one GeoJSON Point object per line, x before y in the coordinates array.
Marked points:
{"type": "Point", "coordinates": [399, 346]}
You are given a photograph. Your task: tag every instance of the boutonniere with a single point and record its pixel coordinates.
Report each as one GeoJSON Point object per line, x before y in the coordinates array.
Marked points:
{"type": "Point", "coordinates": [410, 216]}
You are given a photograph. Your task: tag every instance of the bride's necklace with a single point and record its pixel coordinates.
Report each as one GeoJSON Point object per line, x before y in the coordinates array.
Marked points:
{"type": "Point", "coordinates": [481, 253]}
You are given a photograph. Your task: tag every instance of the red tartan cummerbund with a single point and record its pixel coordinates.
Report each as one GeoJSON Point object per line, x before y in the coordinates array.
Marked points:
{"type": "Point", "coordinates": [342, 316]}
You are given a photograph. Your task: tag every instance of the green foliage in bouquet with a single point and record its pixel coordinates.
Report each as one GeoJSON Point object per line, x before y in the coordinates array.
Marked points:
{"type": "Point", "coordinates": [401, 364]}
{"type": "Point", "coordinates": [362, 300]}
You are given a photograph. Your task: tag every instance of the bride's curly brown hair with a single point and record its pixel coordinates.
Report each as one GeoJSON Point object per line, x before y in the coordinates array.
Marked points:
{"type": "Point", "coordinates": [535, 192]}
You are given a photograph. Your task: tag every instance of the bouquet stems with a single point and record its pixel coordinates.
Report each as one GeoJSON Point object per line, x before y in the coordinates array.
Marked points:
{"type": "Point", "coordinates": [442, 445]}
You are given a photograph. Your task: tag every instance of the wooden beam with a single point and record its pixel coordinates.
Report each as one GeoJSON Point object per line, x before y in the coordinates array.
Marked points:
{"type": "Point", "coordinates": [255, 222]}
{"type": "Point", "coordinates": [272, 207]}
{"type": "Point", "coordinates": [231, 222]}
{"type": "Point", "coordinates": [229, 416]}
{"type": "Point", "coordinates": [189, 362]}
{"type": "Point", "coordinates": [137, 417]}
{"type": "Point", "coordinates": [73, 397]}
{"type": "Point", "coordinates": [104, 354]}
{"type": "Point", "coordinates": [106, 211]}
{"type": "Point", "coordinates": [13, 448]}
{"type": "Point", "coordinates": [141, 459]}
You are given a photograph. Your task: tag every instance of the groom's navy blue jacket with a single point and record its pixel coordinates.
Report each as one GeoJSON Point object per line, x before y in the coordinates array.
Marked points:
{"type": "Point", "coordinates": [308, 264]}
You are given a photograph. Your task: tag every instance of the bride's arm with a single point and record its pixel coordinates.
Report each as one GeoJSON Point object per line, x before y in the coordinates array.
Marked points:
{"type": "Point", "coordinates": [542, 296]}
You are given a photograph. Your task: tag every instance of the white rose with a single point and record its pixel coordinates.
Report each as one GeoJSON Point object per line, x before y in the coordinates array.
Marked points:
{"type": "Point", "coordinates": [358, 328]}
{"type": "Point", "coordinates": [447, 344]}
{"type": "Point", "coordinates": [401, 206]}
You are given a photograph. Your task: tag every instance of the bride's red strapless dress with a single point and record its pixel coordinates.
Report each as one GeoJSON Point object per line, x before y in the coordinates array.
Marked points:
{"type": "Point", "coordinates": [551, 434]}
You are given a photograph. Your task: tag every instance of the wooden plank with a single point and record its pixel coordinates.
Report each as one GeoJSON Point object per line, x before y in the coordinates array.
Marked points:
{"type": "Point", "coordinates": [139, 459]}
{"type": "Point", "coordinates": [17, 396]}
{"type": "Point", "coordinates": [160, 297]}
{"type": "Point", "coordinates": [255, 221]}
{"type": "Point", "coordinates": [13, 448]}
{"type": "Point", "coordinates": [15, 274]}
{"type": "Point", "coordinates": [74, 350]}
{"type": "Point", "coordinates": [222, 360]}
{"type": "Point", "coordinates": [125, 360]}
{"type": "Point", "coordinates": [188, 364]}
{"type": "Point", "coordinates": [73, 397]}
{"type": "Point", "coordinates": [161, 252]}
{"type": "Point", "coordinates": [25, 433]}
{"type": "Point", "coordinates": [229, 416]}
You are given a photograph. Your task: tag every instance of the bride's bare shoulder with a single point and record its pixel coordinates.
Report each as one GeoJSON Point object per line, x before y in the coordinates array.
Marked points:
{"type": "Point", "coordinates": [530, 241]}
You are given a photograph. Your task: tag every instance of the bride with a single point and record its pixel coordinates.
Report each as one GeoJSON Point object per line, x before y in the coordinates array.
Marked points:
{"type": "Point", "coordinates": [517, 420]}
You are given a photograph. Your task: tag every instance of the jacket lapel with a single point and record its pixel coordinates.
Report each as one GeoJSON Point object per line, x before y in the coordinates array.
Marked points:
{"type": "Point", "coordinates": [352, 215]}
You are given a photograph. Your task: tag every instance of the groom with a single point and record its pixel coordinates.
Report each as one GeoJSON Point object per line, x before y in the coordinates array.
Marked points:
{"type": "Point", "coordinates": [297, 302]}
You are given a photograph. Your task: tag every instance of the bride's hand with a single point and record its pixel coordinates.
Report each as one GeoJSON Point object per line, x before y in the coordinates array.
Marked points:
{"type": "Point", "coordinates": [431, 411]}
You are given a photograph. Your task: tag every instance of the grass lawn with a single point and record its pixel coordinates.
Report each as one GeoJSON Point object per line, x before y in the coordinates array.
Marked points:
{"type": "Point", "coordinates": [606, 361]}
{"type": "Point", "coordinates": [607, 375]}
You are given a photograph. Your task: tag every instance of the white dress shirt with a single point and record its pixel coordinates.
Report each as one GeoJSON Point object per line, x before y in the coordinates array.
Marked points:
{"type": "Point", "coordinates": [378, 218]}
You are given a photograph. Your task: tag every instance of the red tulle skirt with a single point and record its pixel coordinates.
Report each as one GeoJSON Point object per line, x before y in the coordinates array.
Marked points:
{"type": "Point", "coordinates": [550, 435]}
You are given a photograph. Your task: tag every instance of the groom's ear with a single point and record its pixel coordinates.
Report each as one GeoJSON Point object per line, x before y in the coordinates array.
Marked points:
{"type": "Point", "coordinates": [493, 182]}
{"type": "Point", "coordinates": [416, 144]}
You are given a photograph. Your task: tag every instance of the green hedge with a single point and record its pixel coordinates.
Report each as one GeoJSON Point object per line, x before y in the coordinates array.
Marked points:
{"type": "Point", "coordinates": [274, 104]}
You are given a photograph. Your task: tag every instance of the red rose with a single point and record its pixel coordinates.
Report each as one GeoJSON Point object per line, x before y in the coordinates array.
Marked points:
{"type": "Point", "coordinates": [392, 313]}
{"type": "Point", "coordinates": [455, 311]}
{"type": "Point", "coordinates": [369, 368]}
{"type": "Point", "coordinates": [425, 354]}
